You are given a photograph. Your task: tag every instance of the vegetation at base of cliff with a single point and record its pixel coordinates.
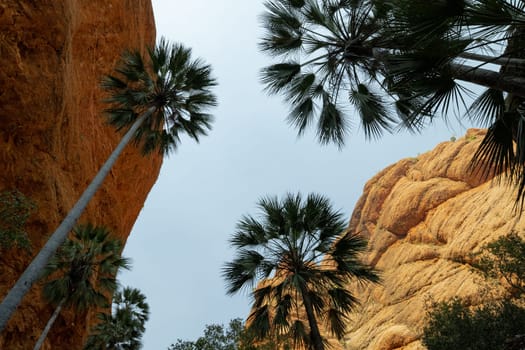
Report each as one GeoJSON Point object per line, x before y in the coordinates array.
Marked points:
{"type": "Point", "coordinates": [454, 325]}
{"type": "Point", "coordinates": [296, 260]}
{"type": "Point", "coordinates": [495, 325]}
{"type": "Point", "coordinates": [504, 259]}
{"type": "Point", "coordinates": [15, 209]}
{"type": "Point", "coordinates": [233, 337]}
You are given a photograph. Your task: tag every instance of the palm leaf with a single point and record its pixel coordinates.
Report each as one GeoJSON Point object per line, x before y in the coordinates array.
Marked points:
{"type": "Point", "coordinates": [495, 154]}
{"type": "Point", "coordinates": [331, 126]}
{"type": "Point", "coordinates": [276, 77]}
{"type": "Point", "coordinates": [488, 107]}
{"type": "Point", "coordinates": [375, 117]}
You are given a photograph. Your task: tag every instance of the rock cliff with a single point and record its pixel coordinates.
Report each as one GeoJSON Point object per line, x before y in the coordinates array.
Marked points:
{"type": "Point", "coordinates": [424, 217]}
{"type": "Point", "coordinates": [53, 138]}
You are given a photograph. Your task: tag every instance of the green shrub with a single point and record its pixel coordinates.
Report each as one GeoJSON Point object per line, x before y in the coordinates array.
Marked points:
{"type": "Point", "coordinates": [505, 259]}
{"type": "Point", "coordinates": [15, 209]}
{"type": "Point", "coordinates": [454, 325]}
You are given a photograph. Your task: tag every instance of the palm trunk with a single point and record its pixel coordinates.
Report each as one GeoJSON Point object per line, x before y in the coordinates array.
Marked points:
{"type": "Point", "coordinates": [502, 61]}
{"type": "Point", "coordinates": [476, 75]}
{"type": "Point", "coordinates": [315, 334]}
{"type": "Point", "coordinates": [50, 322]}
{"type": "Point", "coordinates": [34, 270]}
{"type": "Point", "coordinates": [511, 84]}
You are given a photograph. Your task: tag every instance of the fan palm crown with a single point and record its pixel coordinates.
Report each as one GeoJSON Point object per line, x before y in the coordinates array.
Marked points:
{"type": "Point", "coordinates": [328, 52]}
{"type": "Point", "coordinates": [84, 269]}
{"type": "Point", "coordinates": [170, 89]}
{"type": "Point", "coordinates": [83, 272]}
{"type": "Point", "coordinates": [124, 326]}
{"type": "Point", "coordinates": [299, 257]}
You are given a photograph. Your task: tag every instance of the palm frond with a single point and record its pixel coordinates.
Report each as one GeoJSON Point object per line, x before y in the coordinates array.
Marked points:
{"type": "Point", "coordinates": [302, 114]}
{"type": "Point", "coordinates": [331, 126]}
{"type": "Point", "coordinates": [337, 322]}
{"type": "Point", "coordinates": [488, 107]}
{"type": "Point", "coordinates": [373, 111]}
{"type": "Point", "coordinates": [282, 313]}
{"type": "Point", "coordinates": [242, 272]}
{"type": "Point", "coordinates": [276, 77]}
{"type": "Point", "coordinates": [495, 154]}
{"type": "Point", "coordinates": [299, 334]}
{"type": "Point", "coordinates": [259, 322]}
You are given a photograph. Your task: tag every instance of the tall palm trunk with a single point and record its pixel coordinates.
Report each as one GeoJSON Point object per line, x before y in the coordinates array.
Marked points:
{"type": "Point", "coordinates": [50, 322]}
{"type": "Point", "coordinates": [315, 334]}
{"type": "Point", "coordinates": [511, 84]}
{"type": "Point", "coordinates": [476, 75]}
{"type": "Point", "coordinates": [34, 270]}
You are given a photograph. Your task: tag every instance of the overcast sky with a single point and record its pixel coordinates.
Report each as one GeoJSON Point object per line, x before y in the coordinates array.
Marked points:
{"type": "Point", "coordinates": [179, 242]}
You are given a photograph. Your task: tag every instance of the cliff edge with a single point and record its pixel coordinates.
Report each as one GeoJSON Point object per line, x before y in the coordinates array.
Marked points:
{"type": "Point", "coordinates": [424, 217]}
{"type": "Point", "coordinates": [53, 138]}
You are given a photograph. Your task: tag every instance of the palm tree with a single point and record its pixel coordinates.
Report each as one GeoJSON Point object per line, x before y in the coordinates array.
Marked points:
{"type": "Point", "coordinates": [156, 101]}
{"type": "Point", "coordinates": [401, 62]}
{"type": "Point", "coordinates": [81, 272]}
{"type": "Point", "coordinates": [330, 49]}
{"type": "Point", "coordinates": [300, 256]}
{"type": "Point", "coordinates": [123, 328]}
{"type": "Point", "coordinates": [480, 42]}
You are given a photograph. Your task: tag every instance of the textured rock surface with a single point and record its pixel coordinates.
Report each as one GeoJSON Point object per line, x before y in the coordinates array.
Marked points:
{"type": "Point", "coordinates": [53, 138]}
{"type": "Point", "coordinates": [423, 217]}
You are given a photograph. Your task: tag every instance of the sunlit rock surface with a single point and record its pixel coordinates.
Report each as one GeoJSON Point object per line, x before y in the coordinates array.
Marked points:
{"type": "Point", "coordinates": [424, 217]}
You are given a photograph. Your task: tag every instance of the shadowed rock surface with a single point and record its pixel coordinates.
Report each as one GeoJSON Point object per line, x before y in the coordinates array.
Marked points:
{"type": "Point", "coordinates": [53, 138]}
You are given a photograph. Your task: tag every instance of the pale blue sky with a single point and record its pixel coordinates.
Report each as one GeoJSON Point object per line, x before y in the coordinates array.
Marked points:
{"type": "Point", "coordinates": [179, 242]}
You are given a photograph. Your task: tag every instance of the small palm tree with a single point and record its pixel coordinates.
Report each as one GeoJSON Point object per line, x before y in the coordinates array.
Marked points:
{"type": "Point", "coordinates": [155, 101]}
{"type": "Point", "coordinates": [302, 259]}
{"type": "Point", "coordinates": [123, 328]}
{"type": "Point", "coordinates": [82, 272]}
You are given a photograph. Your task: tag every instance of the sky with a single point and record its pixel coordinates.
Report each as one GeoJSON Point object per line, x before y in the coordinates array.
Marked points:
{"type": "Point", "coordinates": [180, 240]}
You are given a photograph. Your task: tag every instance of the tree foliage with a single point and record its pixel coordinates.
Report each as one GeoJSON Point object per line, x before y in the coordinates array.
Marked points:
{"type": "Point", "coordinates": [454, 325]}
{"type": "Point", "coordinates": [15, 209]}
{"type": "Point", "coordinates": [84, 269]}
{"type": "Point", "coordinates": [296, 258]}
{"type": "Point", "coordinates": [493, 325]}
{"type": "Point", "coordinates": [218, 337]}
{"type": "Point", "coordinates": [82, 272]}
{"type": "Point", "coordinates": [402, 63]}
{"type": "Point", "coordinates": [124, 326]}
{"type": "Point", "coordinates": [505, 259]}
{"type": "Point", "coordinates": [170, 87]}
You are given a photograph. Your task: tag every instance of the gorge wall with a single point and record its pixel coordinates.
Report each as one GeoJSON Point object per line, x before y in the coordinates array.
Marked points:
{"type": "Point", "coordinates": [53, 138]}
{"type": "Point", "coordinates": [424, 217]}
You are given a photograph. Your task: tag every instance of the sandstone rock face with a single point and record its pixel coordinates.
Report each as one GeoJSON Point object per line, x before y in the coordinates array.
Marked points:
{"type": "Point", "coordinates": [53, 138]}
{"type": "Point", "coordinates": [424, 217]}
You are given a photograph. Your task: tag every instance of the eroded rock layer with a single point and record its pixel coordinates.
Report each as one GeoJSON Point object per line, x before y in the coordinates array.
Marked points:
{"type": "Point", "coordinates": [53, 138]}
{"type": "Point", "coordinates": [424, 217]}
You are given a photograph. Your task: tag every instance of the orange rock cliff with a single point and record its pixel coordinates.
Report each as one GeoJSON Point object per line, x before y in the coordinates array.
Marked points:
{"type": "Point", "coordinates": [424, 217]}
{"type": "Point", "coordinates": [53, 138]}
